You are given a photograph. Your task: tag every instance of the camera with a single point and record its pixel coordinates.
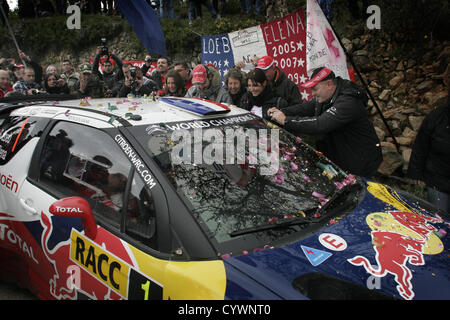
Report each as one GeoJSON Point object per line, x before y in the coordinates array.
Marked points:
{"type": "Point", "coordinates": [36, 91]}
{"type": "Point", "coordinates": [105, 51]}
{"type": "Point", "coordinates": [133, 76]}
{"type": "Point", "coordinates": [133, 72]}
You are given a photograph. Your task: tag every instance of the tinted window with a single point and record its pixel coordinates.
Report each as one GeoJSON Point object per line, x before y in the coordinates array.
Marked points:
{"type": "Point", "coordinates": [15, 132]}
{"type": "Point", "coordinates": [86, 162]}
{"type": "Point", "coordinates": [83, 161]}
{"type": "Point", "coordinates": [140, 220]}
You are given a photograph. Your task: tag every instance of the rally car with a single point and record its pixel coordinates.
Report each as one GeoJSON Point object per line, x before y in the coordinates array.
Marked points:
{"type": "Point", "coordinates": [176, 198]}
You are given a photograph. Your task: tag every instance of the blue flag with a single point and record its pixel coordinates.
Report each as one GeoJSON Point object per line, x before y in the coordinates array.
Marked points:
{"type": "Point", "coordinates": [145, 23]}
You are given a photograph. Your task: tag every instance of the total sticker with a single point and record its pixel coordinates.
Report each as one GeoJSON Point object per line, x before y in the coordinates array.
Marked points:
{"type": "Point", "coordinates": [333, 242]}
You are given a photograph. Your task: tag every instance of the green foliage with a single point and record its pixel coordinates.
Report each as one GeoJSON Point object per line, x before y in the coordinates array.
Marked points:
{"type": "Point", "coordinates": [50, 34]}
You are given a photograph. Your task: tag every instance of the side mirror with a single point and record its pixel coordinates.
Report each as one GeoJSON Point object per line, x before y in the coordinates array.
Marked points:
{"type": "Point", "coordinates": [76, 207]}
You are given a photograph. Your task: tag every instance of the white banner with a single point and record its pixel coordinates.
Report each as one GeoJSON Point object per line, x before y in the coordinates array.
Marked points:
{"type": "Point", "coordinates": [322, 46]}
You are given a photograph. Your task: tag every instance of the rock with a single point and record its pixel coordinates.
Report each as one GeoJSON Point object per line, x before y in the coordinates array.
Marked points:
{"type": "Point", "coordinates": [410, 74]}
{"type": "Point", "coordinates": [396, 80]}
{"type": "Point", "coordinates": [348, 45]}
{"type": "Point", "coordinates": [436, 99]}
{"type": "Point", "coordinates": [425, 86]}
{"type": "Point", "coordinates": [375, 84]}
{"type": "Point", "coordinates": [415, 122]}
{"type": "Point", "coordinates": [409, 133]}
{"type": "Point", "coordinates": [406, 154]}
{"type": "Point", "coordinates": [411, 63]}
{"type": "Point", "coordinates": [400, 66]}
{"type": "Point", "coordinates": [384, 96]}
{"type": "Point", "coordinates": [380, 133]}
{"type": "Point", "coordinates": [363, 62]}
{"type": "Point", "coordinates": [402, 89]}
{"type": "Point", "coordinates": [404, 141]}
{"type": "Point", "coordinates": [395, 127]}
{"type": "Point", "coordinates": [388, 144]}
{"type": "Point", "coordinates": [391, 160]}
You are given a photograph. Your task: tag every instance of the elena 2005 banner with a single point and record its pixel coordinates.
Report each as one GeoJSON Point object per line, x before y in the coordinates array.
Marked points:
{"type": "Point", "coordinates": [297, 48]}
{"type": "Point", "coordinates": [283, 39]}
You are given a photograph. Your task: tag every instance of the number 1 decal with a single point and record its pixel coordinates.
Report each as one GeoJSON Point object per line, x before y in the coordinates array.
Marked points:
{"type": "Point", "coordinates": [146, 288]}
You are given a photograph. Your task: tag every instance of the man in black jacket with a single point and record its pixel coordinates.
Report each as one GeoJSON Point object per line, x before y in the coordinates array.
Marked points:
{"type": "Point", "coordinates": [337, 117]}
{"type": "Point", "coordinates": [430, 157]}
{"type": "Point", "coordinates": [108, 76]}
{"type": "Point", "coordinates": [280, 83]}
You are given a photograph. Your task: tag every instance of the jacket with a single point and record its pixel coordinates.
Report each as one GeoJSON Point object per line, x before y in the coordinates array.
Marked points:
{"type": "Point", "coordinates": [286, 88]}
{"type": "Point", "coordinates": [266, 100]}
{"type": "Point", "coordinates": [430, 157]}
{"type": "Point", "coordinates": [342, 128]}
{"type": "Point", "coordinates": [23, 86]}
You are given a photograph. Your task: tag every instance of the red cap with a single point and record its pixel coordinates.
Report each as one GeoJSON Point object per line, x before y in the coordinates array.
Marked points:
{"type": "Point", "coordinates": [199, 74]}
{"type": "Point", "coordinates": [318, 75]}
{"type": "Point", "coordinates": [265, 62]}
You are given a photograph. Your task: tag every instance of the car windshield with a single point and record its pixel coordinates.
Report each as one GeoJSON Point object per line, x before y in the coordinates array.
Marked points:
{"type": "Point", "coordinates": [231, 185]}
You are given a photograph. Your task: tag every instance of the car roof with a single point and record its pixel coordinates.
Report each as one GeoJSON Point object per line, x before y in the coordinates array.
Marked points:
{"type": "Point", "coordinates": [135, 111]}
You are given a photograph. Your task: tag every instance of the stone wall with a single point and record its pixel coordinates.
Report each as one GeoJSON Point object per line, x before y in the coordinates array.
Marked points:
{"type": "Point", "coordinates": [405, 90]}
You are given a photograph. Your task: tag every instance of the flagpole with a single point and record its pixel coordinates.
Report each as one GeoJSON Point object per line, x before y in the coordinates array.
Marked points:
{"type": "Point", "coordinates": [363, 82]}
{"type": "Point", "coordinates": [11, 33]}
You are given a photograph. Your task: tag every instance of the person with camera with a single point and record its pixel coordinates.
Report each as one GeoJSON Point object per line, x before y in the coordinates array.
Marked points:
{"type": "Point", "coordinates": [108, 76]}
{"type": "Point", "coordinates": [54, 85]}
{"type": "Point", "coordinates": [134, 84]}
{"type": "Point", "coordinates": [27, 85]}
{"type": "Point", "coordinates": [89, 85]}
{"type": "Point", "coordinates": [147, 64]}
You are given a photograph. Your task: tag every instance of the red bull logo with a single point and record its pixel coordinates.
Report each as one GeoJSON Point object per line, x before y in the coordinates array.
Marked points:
{"type": "Point", "coordinates": [400, 238]}
{"type": "Point", "coordinates": [65, 282]}
{"type": "Point", "coordinates": [81, 268]}
{"type": "Point", "coordinates": [393, 251]}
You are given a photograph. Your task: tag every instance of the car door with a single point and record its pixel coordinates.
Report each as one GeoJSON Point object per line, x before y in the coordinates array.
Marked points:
{"type": "Point", "coordinates": [75, 158]}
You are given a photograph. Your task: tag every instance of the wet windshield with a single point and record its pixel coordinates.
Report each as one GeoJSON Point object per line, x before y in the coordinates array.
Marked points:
{"type": "Point", "coordinates": [237, 173]}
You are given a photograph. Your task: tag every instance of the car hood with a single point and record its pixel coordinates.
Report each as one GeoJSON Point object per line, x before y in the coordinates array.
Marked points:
{"type": "Point", "coordinates": [386, 244]}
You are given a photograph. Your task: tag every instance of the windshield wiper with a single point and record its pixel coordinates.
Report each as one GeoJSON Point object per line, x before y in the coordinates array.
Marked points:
{"type": "Point", "coordinates": [346, 190]}
{"type": "Point", "coordinates": [273, 225]}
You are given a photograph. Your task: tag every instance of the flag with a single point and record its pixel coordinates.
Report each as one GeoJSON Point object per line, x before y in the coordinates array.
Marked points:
{"type": "Point", "coordinates": [322, 46]}
{"type": "Point", "coordinates": [145, 23]}
{"type": "Point", "coordinates": [284, 39]}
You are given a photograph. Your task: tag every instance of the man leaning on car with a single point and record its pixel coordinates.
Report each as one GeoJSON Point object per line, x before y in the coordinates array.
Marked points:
{"type": "Point", "coordinates": [337, 117]}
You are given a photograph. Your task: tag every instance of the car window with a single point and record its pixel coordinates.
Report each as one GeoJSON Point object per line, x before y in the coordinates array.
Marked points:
{"type": "Point", "coordinates": [86, 162]}
{"type": "Point", "coordinates": [15, 132]}
{"type": "Point", "coordinates": [140, 219]}
{"type": "Point", "coordinates": [82, 161]}
{"type": "Point", "coordinates": [226, 197]}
